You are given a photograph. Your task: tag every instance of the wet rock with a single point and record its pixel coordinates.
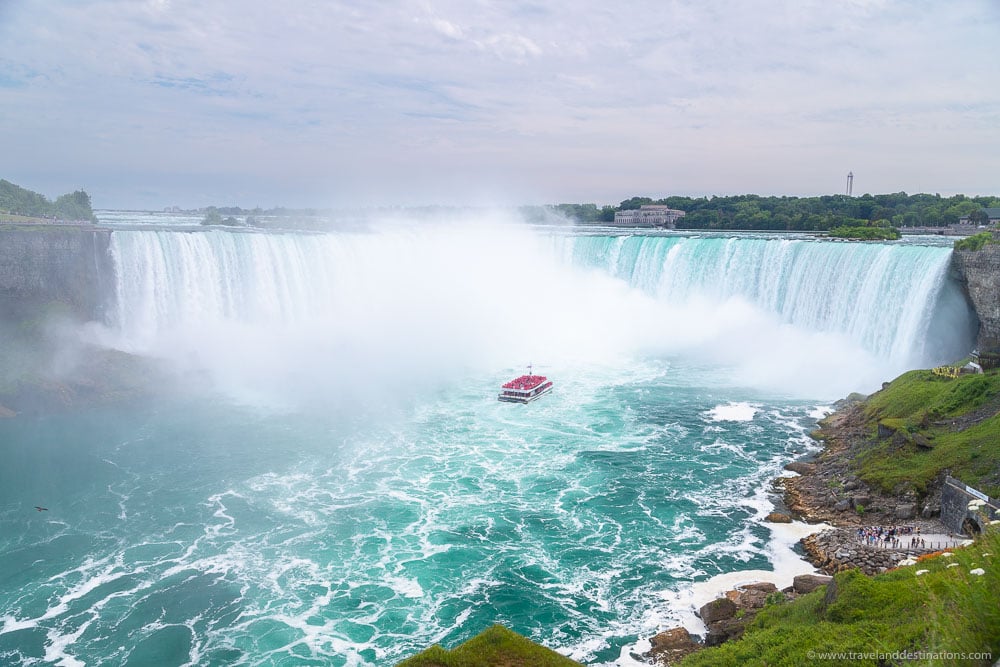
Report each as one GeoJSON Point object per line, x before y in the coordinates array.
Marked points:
{"type": "Point", "coordinates": [762, 586]}
{"type": "Point", "coordinates": [801, 467]}
{"type": "Point", "coordinates": [717, 610]}
{"type": "Point", "coordinates": [725, 630]}
{"type": "Point", "coordinates": [807, 583]}
{"type": "Point", "coordinates": [671, 645]}
{"type": "Point", "coordinates": [778, 517]}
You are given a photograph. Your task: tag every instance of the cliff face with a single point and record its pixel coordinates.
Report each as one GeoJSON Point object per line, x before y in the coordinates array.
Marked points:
{"type": "Point", "coordinates": [68, 266]}
{"type": "Point", "coordinates": [979, 272]}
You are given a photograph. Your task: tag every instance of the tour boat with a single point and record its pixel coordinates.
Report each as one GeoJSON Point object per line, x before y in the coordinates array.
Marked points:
{"type": "Point", "coordinates": [525, 389]}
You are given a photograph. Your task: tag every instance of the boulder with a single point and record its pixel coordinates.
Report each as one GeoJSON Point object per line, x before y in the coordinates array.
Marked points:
{"type": "Point", "coordinates": [921, 440]}
{"type": "Point", "coordinates": [842, 505]}
{"type": "Point", "coordinates": [762, 586]}
{"type": "Point", "coordinates": [860, 501]}
{"type": "Point", "coordinates": [754, 596]}
{"type": "Point", "coordinates": [905, 511]}
{"type": "Point", "coordinates": [672, 644]}
{"type": "Point", "coordinates": [723, 631]}
{"type": "Point", "coordinates": [778, 517]}
{"type": "Point", "coordinates": [717, 610]}
{"type": "Point", "coordinates": [807, 583]}
{"type": "Point", "coordinates": [801, 467]}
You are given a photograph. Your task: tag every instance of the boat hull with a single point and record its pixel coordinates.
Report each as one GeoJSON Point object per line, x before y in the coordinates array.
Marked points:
{"type": "Point", "coordinates": [513, 398]}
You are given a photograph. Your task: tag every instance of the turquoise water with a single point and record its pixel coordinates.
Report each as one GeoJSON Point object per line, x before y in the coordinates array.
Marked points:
{"type": "Point", "coordinates": [344, 488]}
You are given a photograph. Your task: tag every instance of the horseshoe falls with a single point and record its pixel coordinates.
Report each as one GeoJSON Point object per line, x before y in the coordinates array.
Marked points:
{"type": "Point", "coordinates": [329, 479]}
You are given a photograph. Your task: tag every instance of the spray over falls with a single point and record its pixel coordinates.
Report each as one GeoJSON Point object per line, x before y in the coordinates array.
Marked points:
{"type": "Point", "coordinates": [478, 297]}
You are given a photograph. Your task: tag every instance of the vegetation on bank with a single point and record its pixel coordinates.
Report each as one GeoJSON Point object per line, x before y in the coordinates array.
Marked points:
{"type": "Point", "coordinates": [932, 423]}
{"type": "Point", "coordinates": [494, 647]}
{"type": "Point", "coordinates": [975, 242]}
{"type": "Point", "coordinates": [214, 217]}
{"type": "Point", "coordinates": [744, 212]}
{"type": "Point", "coordinates": [876, 233]}
{"type": "Point", "coordinates": [951, 607]}
{"type": "Point", "coordinates": [18, 204]}
{"type": "Point", "coordinates": [793, 213]}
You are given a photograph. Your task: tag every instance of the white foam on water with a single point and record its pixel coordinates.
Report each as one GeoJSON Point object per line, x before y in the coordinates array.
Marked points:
{"type": "Point", "coordinates": [821, 411]}
{"type": "Point", "coordinates": [408, 588]}
{"type": "Point", "coordinates": [734, 412]}
{"type": "Point", "coordinates": [57, 643]}
{"type": "Point", "coordinates": [11, 624]}
{"type": "Point", "coordinates": [684, 602]}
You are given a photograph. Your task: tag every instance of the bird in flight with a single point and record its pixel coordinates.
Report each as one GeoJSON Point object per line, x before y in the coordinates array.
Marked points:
{"type": "Point", "coordinates": [41, 509]}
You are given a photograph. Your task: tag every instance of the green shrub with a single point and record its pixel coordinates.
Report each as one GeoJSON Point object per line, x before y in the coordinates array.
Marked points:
{"type": "Point", "coordinates": [866, 233]}
{"type": "Point", "coordinates": [974, 242]}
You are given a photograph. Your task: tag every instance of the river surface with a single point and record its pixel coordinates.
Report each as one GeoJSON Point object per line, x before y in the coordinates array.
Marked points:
{"type": "Point", "coordinates": [340, 485]}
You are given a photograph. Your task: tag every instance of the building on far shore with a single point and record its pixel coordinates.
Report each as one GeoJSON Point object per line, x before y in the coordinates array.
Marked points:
{"type": "Point", "coordinates": [992, 213]}
{"type": "Point", "coordinates": [649, 215]}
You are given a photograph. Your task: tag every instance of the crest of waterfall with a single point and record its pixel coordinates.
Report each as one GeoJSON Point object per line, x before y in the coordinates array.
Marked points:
{"type": "Point", "coordinates": [406, 300]}
{"type": "Point", "coordinates": [885, 297]}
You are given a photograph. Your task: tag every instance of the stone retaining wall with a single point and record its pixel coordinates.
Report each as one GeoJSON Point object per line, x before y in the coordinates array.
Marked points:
{"type": "Point", "coordinates": [838, 549]}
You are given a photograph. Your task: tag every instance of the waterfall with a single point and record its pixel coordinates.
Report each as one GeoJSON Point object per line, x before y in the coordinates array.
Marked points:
{"type": "Point", "coordinates": [883, 296]}
{"type": "Point", "coordinates": [408, 300]}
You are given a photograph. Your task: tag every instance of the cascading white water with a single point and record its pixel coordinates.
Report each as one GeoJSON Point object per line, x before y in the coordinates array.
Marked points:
{"type": "Point", "coordinates": [882, 296]}
{"type": "Point", "coordinates": [404, 300]}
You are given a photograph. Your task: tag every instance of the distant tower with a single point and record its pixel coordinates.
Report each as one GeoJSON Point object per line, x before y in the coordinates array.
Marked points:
{"type": "Point", "coordinates": [850, 183]}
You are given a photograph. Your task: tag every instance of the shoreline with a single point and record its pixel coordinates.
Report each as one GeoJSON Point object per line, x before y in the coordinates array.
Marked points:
{"type": "Point", "coordinates": [786, 560]}
{"type": "Point", "coordinates": [819, 521]}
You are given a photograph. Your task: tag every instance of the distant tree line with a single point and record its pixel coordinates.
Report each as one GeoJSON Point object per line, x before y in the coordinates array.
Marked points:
{"type": "Point", "coordinates": [795, 213]}
{"type": "Point", "coordinates": [19, 201]}
{"type": "Point", "coordinates": [213, 216]}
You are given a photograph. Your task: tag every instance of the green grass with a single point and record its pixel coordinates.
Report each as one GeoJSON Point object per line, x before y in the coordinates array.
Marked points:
{"type": "Point", "coordinates": [947, 609]}
{"type": "Point", "coordinates": [494, 647]}
{"type": "Point", "coordinates": [920, 402]}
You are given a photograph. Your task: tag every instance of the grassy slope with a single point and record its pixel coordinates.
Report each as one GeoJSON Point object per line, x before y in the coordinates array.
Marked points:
{"type": "Point", "coordinates": [947, 609]}
{"type": "Point", "coordinates": [921, 404]}
{"type": "Point", "coordinates": [493, 647]}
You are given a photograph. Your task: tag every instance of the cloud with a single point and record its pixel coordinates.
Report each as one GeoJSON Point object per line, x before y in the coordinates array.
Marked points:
{"type": "Point", "coordinates": [516, 48]}
{"type": "Point", "coordinates": [556, 101]}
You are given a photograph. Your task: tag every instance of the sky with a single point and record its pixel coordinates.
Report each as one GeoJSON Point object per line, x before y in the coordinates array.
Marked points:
{"type": "Point", "coordinates": [321, 103]}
